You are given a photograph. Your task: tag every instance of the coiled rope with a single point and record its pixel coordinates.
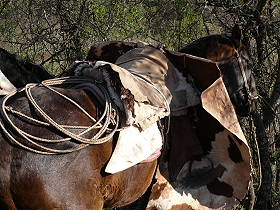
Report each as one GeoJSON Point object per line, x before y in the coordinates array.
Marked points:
{"type": "Point", "coordinates": [109, 117]}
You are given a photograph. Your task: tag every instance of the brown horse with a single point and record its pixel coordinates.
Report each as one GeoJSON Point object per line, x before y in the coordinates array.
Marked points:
{"type": "Point", "coordinates": [35, 181]}
{"type": "Point", "coordinates": [66, 181]}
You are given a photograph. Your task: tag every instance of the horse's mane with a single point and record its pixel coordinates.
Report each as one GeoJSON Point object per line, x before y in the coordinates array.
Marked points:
{"type": "Point", "coordinates": [208, 43]}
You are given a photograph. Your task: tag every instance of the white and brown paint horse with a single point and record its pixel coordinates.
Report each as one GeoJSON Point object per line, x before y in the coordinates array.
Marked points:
{"type": "Point", "coordinates": [205, 165]}
{"type": "Point", "coordinates": [198, 136]}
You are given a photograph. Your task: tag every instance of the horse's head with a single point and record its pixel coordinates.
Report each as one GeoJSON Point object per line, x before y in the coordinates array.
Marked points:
{"type": "Point", "coordinates": [233, 60]}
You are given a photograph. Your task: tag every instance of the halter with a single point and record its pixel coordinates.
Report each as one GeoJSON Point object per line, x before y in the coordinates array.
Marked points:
{"type": "Point", "coordinates": [241, 67]}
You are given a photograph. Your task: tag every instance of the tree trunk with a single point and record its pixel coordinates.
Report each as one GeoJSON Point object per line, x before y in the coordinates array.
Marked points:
{"type": "Point", "coordinates": [264, 194]}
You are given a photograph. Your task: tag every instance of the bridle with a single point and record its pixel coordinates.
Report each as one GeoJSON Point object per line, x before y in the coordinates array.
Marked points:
{"type": "Point", "coordinates": [238, 57]}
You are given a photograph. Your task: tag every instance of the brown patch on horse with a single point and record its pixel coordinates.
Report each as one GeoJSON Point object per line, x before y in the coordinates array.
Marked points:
{"type": "Point", "coordinates": [157, 190]}
{"type": "Point", "coordinates": [182, 206]}
{"type": "Point", "coordinates": [199, 177]}
{"type": "Point", "coordinates": [234, 152]}
{"type": "Point", "coordinates": [218, 187]}
{"type": "Point", "coordinates": [185, 144]}
{"type": "Point", "coordinates": [206, 129]}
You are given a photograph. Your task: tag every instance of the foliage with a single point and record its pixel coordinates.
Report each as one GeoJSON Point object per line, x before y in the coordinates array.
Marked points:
{"type": "Point", "coordinates": [54, 33]}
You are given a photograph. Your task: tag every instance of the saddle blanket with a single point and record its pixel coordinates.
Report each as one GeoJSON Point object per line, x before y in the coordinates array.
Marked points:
{"type": "Point", "coordinates": [157, 86]}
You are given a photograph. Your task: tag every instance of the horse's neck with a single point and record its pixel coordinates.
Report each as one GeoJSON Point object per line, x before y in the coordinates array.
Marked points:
{"type": "Point", "coordinates": [212, 47]}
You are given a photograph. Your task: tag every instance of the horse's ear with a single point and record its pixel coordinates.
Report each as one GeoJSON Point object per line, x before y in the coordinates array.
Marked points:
{"type": "Point", "coordinates": [236, 36]}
